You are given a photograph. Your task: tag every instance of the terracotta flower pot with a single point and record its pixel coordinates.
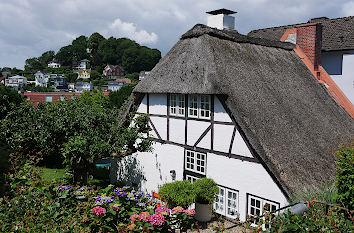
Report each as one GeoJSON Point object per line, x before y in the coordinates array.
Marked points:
{"type": "Point", "coordinates": [203, 212]}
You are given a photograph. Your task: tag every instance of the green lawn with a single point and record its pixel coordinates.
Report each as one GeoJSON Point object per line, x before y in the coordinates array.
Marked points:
{"type": "Point", "coordinates": [50, 174]}
{"type": "Point", "coordinates": [100, 176]}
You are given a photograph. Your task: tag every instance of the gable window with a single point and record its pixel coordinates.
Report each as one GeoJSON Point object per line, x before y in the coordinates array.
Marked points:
{"type": "Point", "coordinates": [177, 104]}
{"type": "Point", "coordinates": [226, 202]}
{"type": "Point", "coordinates": [195, 162]}
{"type": "Point", "coordinates": [258, 206]}
{"type": "Point", "coordinates": [199, 106]}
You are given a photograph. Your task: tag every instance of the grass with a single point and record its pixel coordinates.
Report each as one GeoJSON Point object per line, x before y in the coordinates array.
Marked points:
{"type": "Point", "coordinates": [327, 194]}
{"type": "Point", "coordinates": [100, 176]}
{"type": "Point", "coordinates": [52, 174]}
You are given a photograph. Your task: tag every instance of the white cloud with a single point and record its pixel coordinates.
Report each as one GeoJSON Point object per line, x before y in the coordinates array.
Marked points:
{"type": "Point", "coordinates": [124, 29]}
{"type": "Point", "coordinates": [348, 9]}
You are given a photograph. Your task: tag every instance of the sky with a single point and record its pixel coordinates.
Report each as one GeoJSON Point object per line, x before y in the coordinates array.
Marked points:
{"type": "Point", "coordinates": [28, 28]}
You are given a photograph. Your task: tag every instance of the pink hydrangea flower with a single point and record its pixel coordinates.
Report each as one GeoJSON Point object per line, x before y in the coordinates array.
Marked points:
{"type": "Point", "coordinates": [189, 212]}
{"type": "Point", "coordinates": [144, 217]}
{"type": "Point", "coordinates": [134, 217]}
{"type": "Point", "coordinates": [98, 210]}
{"type": "Point", "coordinates": [157, 219]}
{"type": "Point", "coordinates": [178, 209]}
{"type": "Point", "coordinates": [162, 210]}
{"type": "Point", "coordinates": [114, 207]}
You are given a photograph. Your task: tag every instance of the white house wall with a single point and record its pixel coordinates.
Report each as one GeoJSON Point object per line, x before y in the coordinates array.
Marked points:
{"type": "Point", "coordinates": [340, 65]}
{"type": "Point", "coordinates": [236, 169]}
{"type": "Point", "coordinates": [149, 170]}
{"type": "Point", "coordinates": [245, 177]}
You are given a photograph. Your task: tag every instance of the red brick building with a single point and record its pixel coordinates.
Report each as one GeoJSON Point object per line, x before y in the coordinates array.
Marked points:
{"type": "Point", "coordinates": [46, 97]}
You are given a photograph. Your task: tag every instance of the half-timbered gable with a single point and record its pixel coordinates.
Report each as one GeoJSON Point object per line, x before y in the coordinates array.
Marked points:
{"type": "Point", "coordinates": [243, 111]}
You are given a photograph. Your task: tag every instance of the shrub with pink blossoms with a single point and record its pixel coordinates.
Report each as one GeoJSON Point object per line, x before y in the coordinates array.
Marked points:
{"type": "Point", "coordinates": [189, 212]}
{"type": "Point", "coordinates": [144, 217]}
{"type": "Point", "coordinates": [162, 210]}
{"type": "Point", "coordinates": [114, 207]}
{"type": "Point", "coordinates": [98, 210]}
{"type": "Point", "coordinates": [178, 209]}
{"type": "Point", "coordinates": [157, 219]}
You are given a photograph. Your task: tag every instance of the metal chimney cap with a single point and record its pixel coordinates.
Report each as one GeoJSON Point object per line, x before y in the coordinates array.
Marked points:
{"type": "Point", "coordinates": [221, 11]}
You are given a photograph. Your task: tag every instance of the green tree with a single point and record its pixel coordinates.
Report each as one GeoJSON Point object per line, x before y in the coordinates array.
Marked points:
{"type": "Point", "coordinates": [83, 130]}
{"type": "Point", "coordinates": [65, 55]}
{"type": "Point", "coordinates": [46, 58]}
{"type": "Point", "coordinates": [94, 41]}
{"type": "Point", "coordinates": [95, 75]}
{"type": "Point", "coordinates": [9, 100]}
{"type": "Point", "coordinates": [117, 98]}
{"type": "Point", "coordinates": [79, 46]}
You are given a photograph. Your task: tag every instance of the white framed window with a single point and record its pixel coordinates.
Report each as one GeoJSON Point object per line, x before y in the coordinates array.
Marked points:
{"type": "Point", "coordinates": [73, 97]}
{"type": "Point", "coordinates": [199, 106]}
{"type": "Point", "coordinates": [195, 162]}
{"type": "Point", "coordinates": [193, 106]}
{"type": "Point", "coordinates": [177, 105]}
{"type": "Point", "coordinates": [258, 206]}
{"type": "Point", "coordinates": [204, 107]}
{"type": "Point", "coordinates": [48, 99]}
{"type": "Point", "coordinates": [62, 98]}
{"type": "Point", "coordinates": [226, 202]}
{"type": "Point", "coordinates": [191, 178]}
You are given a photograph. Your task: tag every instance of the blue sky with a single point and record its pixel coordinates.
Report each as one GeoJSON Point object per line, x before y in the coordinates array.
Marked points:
{"type": "Point", "coordinates": [30, 27]}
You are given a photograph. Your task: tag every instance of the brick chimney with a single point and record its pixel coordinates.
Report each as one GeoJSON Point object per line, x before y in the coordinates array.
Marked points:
{"type": "Point", "coordinates": [309, 39]}
{"type": "Point", "coordinates": [221, 19]}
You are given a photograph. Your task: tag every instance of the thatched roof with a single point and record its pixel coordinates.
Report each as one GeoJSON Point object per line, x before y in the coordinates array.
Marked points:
{"type": "Point", "coordinates": [337, 34]}
{"type": "Point", "coordinates": [290, 120]}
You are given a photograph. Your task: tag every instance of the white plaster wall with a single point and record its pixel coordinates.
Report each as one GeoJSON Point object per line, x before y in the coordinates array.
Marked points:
{"type": "Point", "coordinates": [216, 21]}
{"type": "Point", "coordinates": [157, 104]}
{"type": "Point", "coordinates": [239, 147]}
{"type": "Point", "coordinates": [246, 177]}
{"type": "Point", "coordinates": [220, 113]}
{"type": "Point", "coordinates": [149, 169]}
{"type": "Point", "coordinates": [177, 130]}
{"type": "Point", "coordinates": [222, 137]}
{"type": "Point", "coordinates": [143, 106]}
{"type": "Point", "coordinates": [194, 130]}
{"type": "Point", "coordinates": [346, 80]}
{"type": "Point", "coordinates": [206, 141]}
{"type": "Point", "coordinates": [160, 124]}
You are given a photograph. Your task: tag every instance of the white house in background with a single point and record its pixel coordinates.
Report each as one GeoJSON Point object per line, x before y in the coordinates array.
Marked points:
{"type": "Point", "coordinates": [84, 74]}
{"type": "Point", "coordinates": [115, 85]}
{"type": "Point", "coordinates": [335, 42]}
{"type": "Point", "coordinates": [243, 111]}
{"type": "Point", "coordinates": [41, 79]}
{"type": "Point", "coordinates": [80, 65]}
{"type": "Point", "coordinates": [71, 86]}
{"type": "Point", "coordinates": [143, 74]}
{"type": "Point", "coordinates": [16, 82]}
{"type": "Point", "coordinates": [54, 64]}
{"type": "Point", "coordinates": [83, 86]}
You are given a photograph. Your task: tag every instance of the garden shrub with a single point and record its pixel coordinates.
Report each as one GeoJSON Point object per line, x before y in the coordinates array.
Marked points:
{"type": "Point", "coordinates": [205, 190]}
{"type": "Point", "coordinates": [178, 193]}
{"type": "Point", "coordinates": [345, 175]}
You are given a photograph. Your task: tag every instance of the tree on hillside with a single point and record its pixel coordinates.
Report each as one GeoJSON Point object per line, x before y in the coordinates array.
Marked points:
{"type": "Point", "coordinates": [33, 64]}
{"type": "Point", "coordinates": [79, 46]}
{"type": "Point", "coordinates": [83, 130]}
{"type": "Point", "coordinates": [46, 58]}
{"type": "Point", "coordinates": [94, 41]}
{"type": "Point", "coordinates": [65, 55]}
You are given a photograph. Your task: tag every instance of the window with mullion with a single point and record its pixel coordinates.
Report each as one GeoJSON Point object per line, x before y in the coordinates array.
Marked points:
{"type": "Point", "coordinates": [177, 105]}
{"type": "Point", "coordinates": [204, 107]}
{"type": "Point", "coordinates": [193, 106]}
{"type": "Point", "coordinates": [195, 162]}
{"type": "Point", "coordinates": [258, 206]}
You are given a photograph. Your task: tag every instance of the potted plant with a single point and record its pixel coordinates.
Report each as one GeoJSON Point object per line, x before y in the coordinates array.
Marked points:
{"type": "Point", "coordinates": [205, 190]}
{"type": "Point", "coordinates": [178, 193]}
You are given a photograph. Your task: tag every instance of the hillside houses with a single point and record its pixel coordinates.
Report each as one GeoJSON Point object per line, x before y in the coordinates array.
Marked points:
{"type": "Point", "coordinates": [17, 82]}
{"type": "Point", "coordinates": [113, 71]}
{"type": "Point", "coordinates": [244, 111]}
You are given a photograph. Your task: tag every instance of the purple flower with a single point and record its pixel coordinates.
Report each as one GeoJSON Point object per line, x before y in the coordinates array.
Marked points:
{"type": "Point", "coordinates": [157, 219]}
{"type": "Point", "coordinates": [64, 187]}
{"type": "Point", "coordinates": [119, 192]}
{"type": "Point", "coordinates": [105, 199]}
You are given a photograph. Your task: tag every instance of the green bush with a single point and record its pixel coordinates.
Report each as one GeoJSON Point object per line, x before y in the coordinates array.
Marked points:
{"type": "Point", "coordinates": [205, 190]}
{"type": "Point", "coordinates": [178, 193]}
{"type": "Point", "coordinates": [345, 175]}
